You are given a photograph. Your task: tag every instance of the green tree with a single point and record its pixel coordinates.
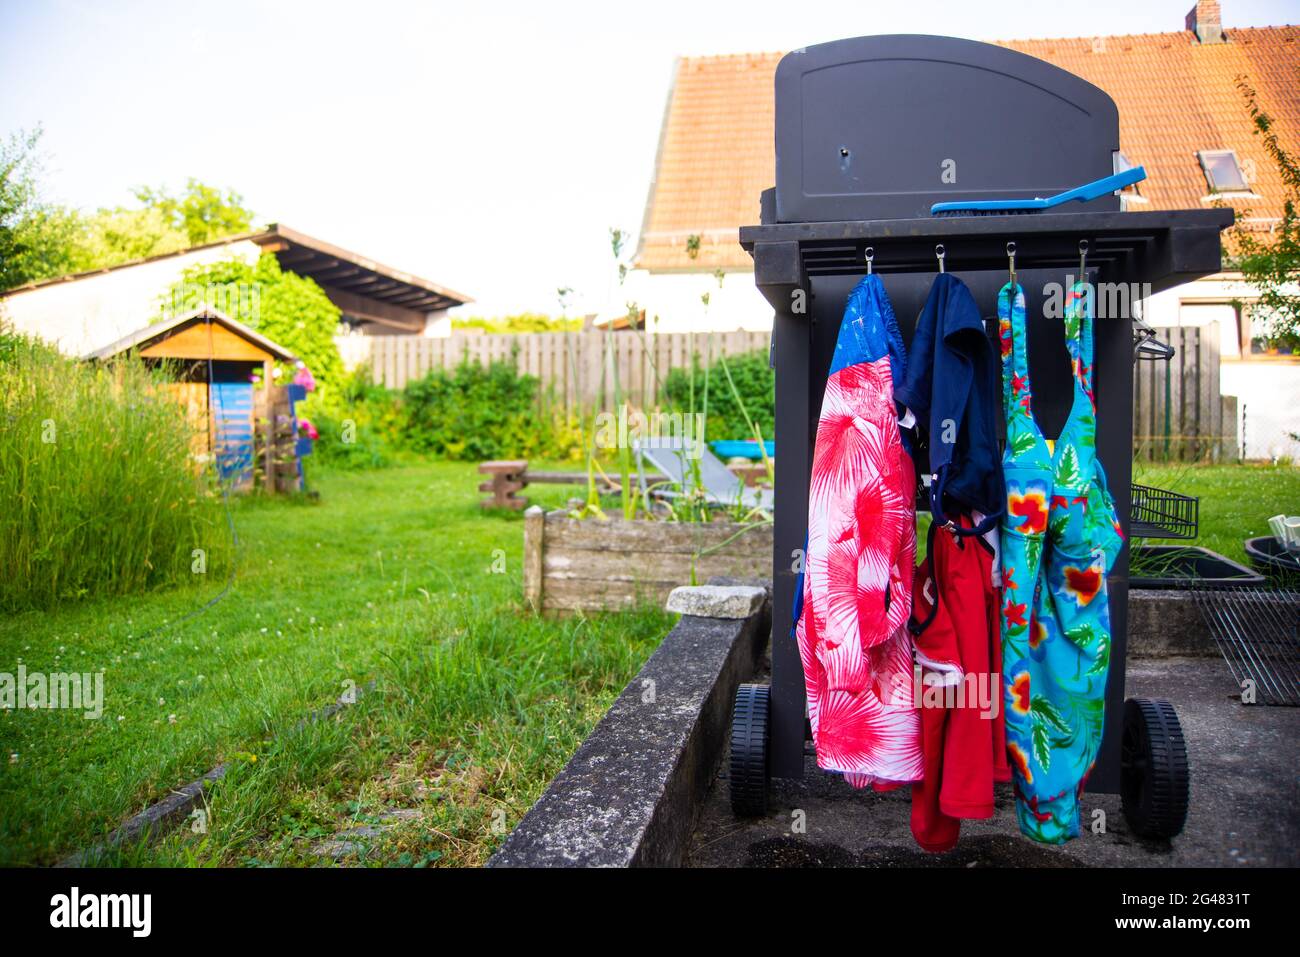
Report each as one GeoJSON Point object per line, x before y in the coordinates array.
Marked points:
{"type": "Point", "coordinates": [110, 237]}
{"type": "Point", "coordinates": [202, 213]}
{"type": "Point", "coordinates": [521, 323]}
{"type": "Point", "coordinates": [42, 240]}
{"type": "Point", "coordinates": [288, 309]}
{"type": "Point", "coordinates": [37, 239]}
{"type": "Point", "coordinates": [1272, 266]}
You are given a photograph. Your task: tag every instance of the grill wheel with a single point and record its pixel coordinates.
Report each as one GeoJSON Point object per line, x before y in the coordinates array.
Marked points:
{"type": "Point", "coordinates": [750, 770]}
{"type": "Point", "coordinates": [1154, 777]}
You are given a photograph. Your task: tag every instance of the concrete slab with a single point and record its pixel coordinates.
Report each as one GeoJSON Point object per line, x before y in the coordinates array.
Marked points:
{"type": "Point", "coordinates": [716, 601]}
{"type": "Point", "coordinates": [1245, 801]}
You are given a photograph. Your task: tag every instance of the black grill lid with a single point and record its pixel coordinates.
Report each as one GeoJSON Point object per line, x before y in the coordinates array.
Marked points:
{"type": "Point", "coordinates": [883, 127]}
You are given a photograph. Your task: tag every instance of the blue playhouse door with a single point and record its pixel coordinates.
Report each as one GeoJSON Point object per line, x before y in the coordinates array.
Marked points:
{"type": "Point", "coordinates": [232, 417]}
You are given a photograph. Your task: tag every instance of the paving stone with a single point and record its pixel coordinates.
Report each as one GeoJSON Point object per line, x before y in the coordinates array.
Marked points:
{"type": "Point", "coordinates": [716, 601]}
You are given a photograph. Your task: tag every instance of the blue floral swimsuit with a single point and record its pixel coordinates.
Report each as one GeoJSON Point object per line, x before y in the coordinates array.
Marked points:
{"type": "Point", "coordinates": [1060, 538]}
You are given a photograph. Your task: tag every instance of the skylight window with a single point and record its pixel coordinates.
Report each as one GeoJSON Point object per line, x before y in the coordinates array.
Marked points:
{"type": "Point", "coordinates": [1223, 172]}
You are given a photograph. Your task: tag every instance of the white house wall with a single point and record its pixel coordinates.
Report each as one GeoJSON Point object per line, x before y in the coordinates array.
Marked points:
{"type": "Point", "coordinates": [675, 298]}
{"type": "Point", "coordinates": [1268, 406]}
{"type": "Point", "coordinates": [1267, 390]}
{"type": "Point", "coordinates": [85, 314]}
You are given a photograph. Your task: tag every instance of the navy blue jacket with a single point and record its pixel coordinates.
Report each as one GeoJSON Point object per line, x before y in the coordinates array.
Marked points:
{"type": "Point", "coordinates": [952, 387]}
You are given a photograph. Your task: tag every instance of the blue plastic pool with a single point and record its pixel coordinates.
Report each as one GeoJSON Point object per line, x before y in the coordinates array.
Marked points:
{"type": "Point", "coordinates": [740, 448]}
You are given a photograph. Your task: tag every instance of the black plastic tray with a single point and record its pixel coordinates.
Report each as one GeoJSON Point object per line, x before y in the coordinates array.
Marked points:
{"type": "Point", "coordinates": [1186, 566]}
{"type": "Point", "coordinates": [1270, 558]}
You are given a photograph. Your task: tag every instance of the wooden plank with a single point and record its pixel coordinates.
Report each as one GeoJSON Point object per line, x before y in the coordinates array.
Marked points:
{"type": "Point", "coordinates": [616, 535]}
{"type": "Point", "coordinates": [595, 369]}
{"type": "Point", "coordinates": [1208, 402]}
{"type": "Point", "coordinates": [574, 478]}
{"type": "Point", "coordinates": [534, 541]}
{"type": "Point", "coordinates": [206, 340]}
{"type": "Point", "coordinates": [1138, 381]}
{"type": "Point", "coordinates": [1229, 450]}
{"type": "Point", "coordinates": [1181, 400]}
{"type": "Point", "coordinates": [663, 357]}
{"type": "Point", "coordinates": [546, 370]}
{"type": "Point", "coordinates": [422, 360]}
{"type": "Point", "coordinates": [592, 595]}
{"type": "Point", "coordinates": [672, 568]}
{"type": "Point", "coordinates": [1161, 425]}
{"type": "Point", "coordinates": [437, 355]}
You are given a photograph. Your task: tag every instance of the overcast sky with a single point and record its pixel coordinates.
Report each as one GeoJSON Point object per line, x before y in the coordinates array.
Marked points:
{"type": "Point", "coordinates": [488, 147]}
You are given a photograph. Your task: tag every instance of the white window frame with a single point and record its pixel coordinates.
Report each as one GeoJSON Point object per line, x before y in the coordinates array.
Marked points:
{"type": "Point", "coordinates": [1204, 156]}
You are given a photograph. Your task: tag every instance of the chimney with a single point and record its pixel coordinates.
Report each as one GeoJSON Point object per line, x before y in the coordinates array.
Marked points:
{"type": "Point", "coordinates": [1206, 22]}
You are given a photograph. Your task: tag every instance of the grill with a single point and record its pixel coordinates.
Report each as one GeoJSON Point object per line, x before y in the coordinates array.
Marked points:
{"type": "Point", "coordinates": [1257, 631]}
{"type": "Point", "coordinates": [864, 129]}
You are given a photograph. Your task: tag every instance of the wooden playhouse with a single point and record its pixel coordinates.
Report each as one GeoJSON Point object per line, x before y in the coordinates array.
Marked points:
{"type": "Point", "coordinates": [214, 359]}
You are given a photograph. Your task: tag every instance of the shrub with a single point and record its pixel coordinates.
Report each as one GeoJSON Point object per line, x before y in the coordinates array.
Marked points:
{"type": "Point", "coordinates": [473, 412]}
{"type": "Point", "coordinates": [361, 424]}
{"type": "Point", "coordinates": [755, 381]}
{"type": "Point", "coordinates": [289, 309]}
{"type": "Point", "coordinates": [97, 492]}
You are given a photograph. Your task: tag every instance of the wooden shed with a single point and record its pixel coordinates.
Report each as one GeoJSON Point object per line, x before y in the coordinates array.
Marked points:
{"type": "Point", "coordinates": [215, 359]}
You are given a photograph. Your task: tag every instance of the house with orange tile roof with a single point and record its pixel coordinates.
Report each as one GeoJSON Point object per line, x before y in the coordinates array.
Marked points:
{"type": "Point", "coordinates": [1183, 116]}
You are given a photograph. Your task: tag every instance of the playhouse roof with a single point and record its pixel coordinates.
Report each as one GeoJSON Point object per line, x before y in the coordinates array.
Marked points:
{"type": "Point", "coordinates": [182, 338]}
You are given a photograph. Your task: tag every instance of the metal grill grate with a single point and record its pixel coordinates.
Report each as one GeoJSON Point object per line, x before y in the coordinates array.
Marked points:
{"type": "Point", "coordinates": [1159, 513]}
{"type": "Point", "coordinates": [1258, 634]}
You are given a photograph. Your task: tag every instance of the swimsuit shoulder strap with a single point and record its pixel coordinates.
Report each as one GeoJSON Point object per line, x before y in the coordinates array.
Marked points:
{"type": "Point", "coordinates": [1011, 332]}
{"type": "Point", "coordinates": [1079, 333]}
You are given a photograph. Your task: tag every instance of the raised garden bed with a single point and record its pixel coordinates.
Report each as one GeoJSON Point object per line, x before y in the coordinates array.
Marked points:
{"type": "Point", "coordinates": [590, 565]}
{"type": "Point", "coordinates": [1186, 566]}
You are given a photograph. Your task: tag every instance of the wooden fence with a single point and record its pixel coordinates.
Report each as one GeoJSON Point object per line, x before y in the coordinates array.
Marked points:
{"type": "Point", "coordinates": [1178, 413]}
{"type": "Point", "coordinates": [576, 369]}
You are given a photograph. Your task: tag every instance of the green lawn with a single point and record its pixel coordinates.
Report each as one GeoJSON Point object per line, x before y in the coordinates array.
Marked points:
{"type": "Point", "coordinates": [390, 579]}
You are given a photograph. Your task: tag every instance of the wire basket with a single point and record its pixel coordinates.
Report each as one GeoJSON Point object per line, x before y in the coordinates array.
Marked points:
{"type": "Point", "coordinates": [1159, 513]}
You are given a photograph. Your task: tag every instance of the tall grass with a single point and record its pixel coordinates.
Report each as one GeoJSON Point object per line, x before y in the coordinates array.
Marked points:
{"type": "Point", "coordinates": [97, 493]}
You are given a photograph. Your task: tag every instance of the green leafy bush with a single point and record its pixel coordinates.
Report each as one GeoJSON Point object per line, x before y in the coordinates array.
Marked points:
{"type": "Point", "coordinates": [755, 382]}
{"type": "Point", "coordinates": [288, 309]}
{"type": "Point", "coordinates": [98, 495]}
{"type": "Point", "coordinates": [361, 424]}
{"type": "Point", "coordinates": [473, 412]}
